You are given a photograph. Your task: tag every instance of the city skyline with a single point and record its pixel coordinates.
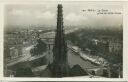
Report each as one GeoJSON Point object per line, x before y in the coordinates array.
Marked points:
{"type": "Point", "coordinates": [92, 53]}
{"type": "Point", "coordinates": [45, 14]}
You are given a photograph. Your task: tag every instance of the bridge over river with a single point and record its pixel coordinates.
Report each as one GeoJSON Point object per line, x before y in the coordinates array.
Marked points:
{"type": "Point", "coordinates": [73, 59]}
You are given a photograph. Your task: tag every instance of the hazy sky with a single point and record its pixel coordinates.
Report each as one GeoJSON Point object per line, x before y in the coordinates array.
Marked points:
{"type": "Point", "coordinates": [45, 14]}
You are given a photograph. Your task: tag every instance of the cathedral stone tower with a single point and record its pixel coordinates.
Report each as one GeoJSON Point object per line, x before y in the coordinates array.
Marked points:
{"type": "Point", "coordinates": [60, 66]}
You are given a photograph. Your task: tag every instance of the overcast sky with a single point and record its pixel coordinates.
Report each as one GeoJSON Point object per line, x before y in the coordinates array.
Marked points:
{"type": "Point", "coordinates": [45, 14]}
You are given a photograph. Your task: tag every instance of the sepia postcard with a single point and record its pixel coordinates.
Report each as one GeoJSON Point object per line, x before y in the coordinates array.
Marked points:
{"type": "Point", "coordinates": [64, 39]}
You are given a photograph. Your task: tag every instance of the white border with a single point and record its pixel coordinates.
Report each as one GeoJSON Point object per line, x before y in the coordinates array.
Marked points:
{"type": "Point", "coordinates": [125, 42]}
